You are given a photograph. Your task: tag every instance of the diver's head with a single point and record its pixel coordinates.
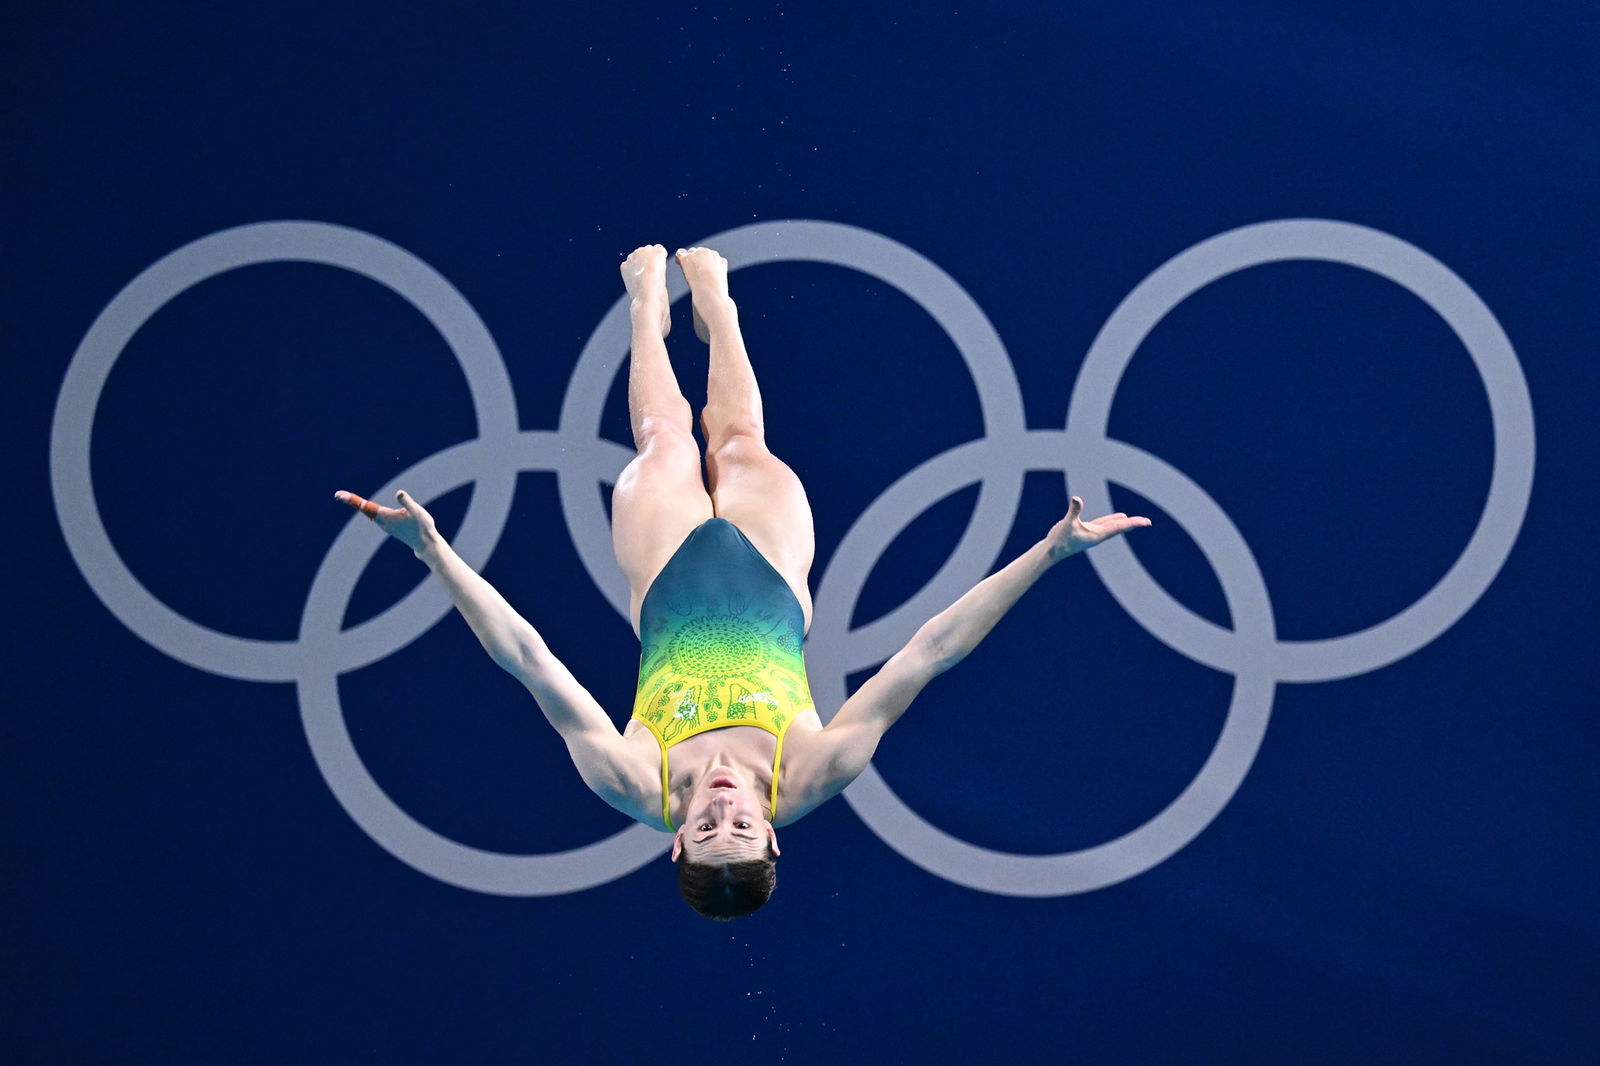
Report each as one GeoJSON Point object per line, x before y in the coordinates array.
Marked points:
{"type": "Point", "coordinates": [726, 849]}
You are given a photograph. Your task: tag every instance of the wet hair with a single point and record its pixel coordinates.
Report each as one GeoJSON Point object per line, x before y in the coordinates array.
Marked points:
{"type": "Point", "coordinates": [725, 891]}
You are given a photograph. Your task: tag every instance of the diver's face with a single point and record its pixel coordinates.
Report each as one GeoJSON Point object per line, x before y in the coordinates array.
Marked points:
{"type": "Point", "coordinates": [725, 822]}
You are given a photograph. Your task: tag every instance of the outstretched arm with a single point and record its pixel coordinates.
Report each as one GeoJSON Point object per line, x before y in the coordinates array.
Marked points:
{"type": "Point", "coordinates": [508, 638]}
{"type": "Point", "coordinates": [959, 628]}
{"type": "Point", "coordinates": [947, 637]}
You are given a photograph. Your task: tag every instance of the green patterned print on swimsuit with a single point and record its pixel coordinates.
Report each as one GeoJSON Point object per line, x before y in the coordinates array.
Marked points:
{"type": "Point", "coordinates": [721, 669]}
{"type": "Point", "coordinates": [720, 635]}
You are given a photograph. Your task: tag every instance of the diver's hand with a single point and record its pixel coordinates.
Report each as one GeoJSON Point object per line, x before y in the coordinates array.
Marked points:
{"type": "Point", "coordinates": [408, 523]}
{"type": "Point", "coordinates": [1072, 535]}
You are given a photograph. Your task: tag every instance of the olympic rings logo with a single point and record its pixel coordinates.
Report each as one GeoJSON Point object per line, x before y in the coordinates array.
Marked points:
{"type": "Point", "coordinates": [581, 461]}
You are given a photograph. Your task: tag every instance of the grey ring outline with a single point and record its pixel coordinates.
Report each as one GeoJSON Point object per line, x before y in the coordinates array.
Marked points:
{"type": "Point", "coordinates": [1030, 875]}
{"type": "Point", "coordinates": [1089, 459]}
{"type": "Point", "coordinates": [1225, 767]}
{"type": "Point", "coordinates": [322, 650]}
{"type": "Point", "coordinates": [1510, 409]}
{"type": "Point", "coordinates": [920, 279]}
{"type": "Point", "coordinates": [72, 485]}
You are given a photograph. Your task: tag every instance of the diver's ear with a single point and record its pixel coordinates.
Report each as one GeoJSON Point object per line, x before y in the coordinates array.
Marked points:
{"type": "Point", "coordinates": [677, 845]}
{"type": "Point", "coordinates": [772, 840]}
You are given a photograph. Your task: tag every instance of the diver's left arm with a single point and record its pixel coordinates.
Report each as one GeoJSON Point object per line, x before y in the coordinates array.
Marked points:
{"type": "Point", "coordinates": [606, 764]}
{"type": "Point", "coordinates": [947, 638]}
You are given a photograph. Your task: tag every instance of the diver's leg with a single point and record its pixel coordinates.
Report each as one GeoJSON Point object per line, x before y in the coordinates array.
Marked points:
{"type": "Point", "coordinates": [659, 497]}
{"type": "Point", "coordinates": [750, 486]}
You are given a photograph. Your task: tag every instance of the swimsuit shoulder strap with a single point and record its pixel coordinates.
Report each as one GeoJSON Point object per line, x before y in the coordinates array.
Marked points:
{"type": "Point", "coordinates": [666, 800]}
{"type": "Point", "coordinates": [777, 759]}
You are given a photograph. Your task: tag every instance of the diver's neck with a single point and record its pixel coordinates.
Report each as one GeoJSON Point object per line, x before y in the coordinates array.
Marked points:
{"type": "Point", "coordinates": [752, 770]}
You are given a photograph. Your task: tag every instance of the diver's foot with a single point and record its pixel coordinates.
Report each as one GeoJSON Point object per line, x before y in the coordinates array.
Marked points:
{"type": "Point", "coordinates": [707, 273]}
{"type": "Point", "coordinates": [644, 274]}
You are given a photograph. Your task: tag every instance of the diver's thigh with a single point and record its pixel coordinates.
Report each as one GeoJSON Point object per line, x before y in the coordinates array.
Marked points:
{"type": "Point", "coordinates": [658, 500]}
{"type": "Point", "coordinates": [756, 491]}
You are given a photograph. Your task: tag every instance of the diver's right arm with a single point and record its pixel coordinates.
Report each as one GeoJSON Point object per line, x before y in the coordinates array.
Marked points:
{"type": "Point", "coordinates": [844, 747]}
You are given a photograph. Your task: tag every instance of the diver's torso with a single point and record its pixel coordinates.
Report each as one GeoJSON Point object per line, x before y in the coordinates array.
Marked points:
{"type": "Point", "coordinates": [721, 670]}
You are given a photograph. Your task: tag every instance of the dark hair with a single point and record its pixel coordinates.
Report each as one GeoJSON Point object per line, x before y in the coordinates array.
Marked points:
{"type": "Point", "coordinates": [728, 890]}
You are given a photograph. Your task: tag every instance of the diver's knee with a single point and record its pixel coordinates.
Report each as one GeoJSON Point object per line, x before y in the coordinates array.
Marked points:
{"type": "Point", "coordinates": [665, 433]}
{"type": "Point", "coordinates": [740, 445]}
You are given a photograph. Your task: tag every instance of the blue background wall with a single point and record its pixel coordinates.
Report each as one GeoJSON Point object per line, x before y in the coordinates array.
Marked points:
{"type": "Point", "coordinates": [1407, 873]}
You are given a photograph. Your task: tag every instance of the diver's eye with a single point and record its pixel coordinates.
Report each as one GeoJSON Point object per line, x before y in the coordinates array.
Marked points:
{"type": "Point", "coordinates": [741, 825]}
{"type": "Point", "coordinates": [705, 827]}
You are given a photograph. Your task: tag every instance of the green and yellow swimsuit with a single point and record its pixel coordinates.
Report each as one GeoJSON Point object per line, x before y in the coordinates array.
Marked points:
{"type": "Point", "coordinates": [720, 635]}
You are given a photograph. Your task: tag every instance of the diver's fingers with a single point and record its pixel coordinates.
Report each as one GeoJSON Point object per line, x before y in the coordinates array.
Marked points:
{"type": "Point", "coordinates": [366, 507]}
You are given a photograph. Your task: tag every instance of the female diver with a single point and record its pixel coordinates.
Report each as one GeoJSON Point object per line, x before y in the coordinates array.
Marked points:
{"type": "Point", "coordinates": [724, 743]}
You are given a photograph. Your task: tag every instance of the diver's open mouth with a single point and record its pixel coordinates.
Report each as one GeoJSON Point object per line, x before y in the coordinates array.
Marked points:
{"type": "Point", "coordinates": [722, 781]}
